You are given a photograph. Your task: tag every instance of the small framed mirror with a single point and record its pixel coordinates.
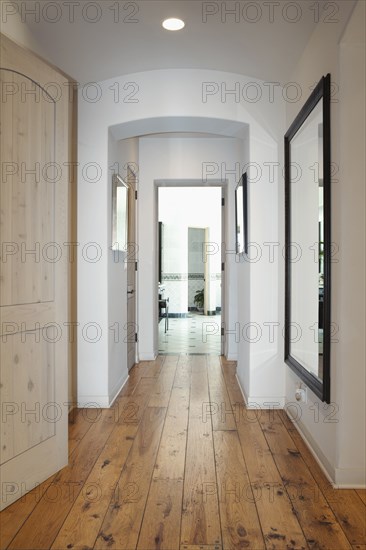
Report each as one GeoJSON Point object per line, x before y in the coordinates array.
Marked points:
{"type": "Point", "coordinates": [119, 213]}
{"type": "Point", "coordinates": [308, 242]}
{"type": "Point", "coordinates": [241, 215]}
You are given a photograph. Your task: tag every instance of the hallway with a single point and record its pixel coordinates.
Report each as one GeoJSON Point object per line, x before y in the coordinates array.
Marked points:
{"type": "Point", "coordinates": [158, 471]}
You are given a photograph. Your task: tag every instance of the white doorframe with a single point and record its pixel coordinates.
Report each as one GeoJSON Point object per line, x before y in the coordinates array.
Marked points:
{"type": "Point", "coordinates": [224, 238]}
{"type": "Point", "coordinates": [132, 268]}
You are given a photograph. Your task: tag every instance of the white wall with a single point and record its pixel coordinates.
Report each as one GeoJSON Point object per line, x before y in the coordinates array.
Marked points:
{"type": "Point", "coordinates": [175, 260]}
{"type": "Point", "coordinates": [120, 155]}
{"type": "Point", "coordinates": [93, 220]}
{"type": "Point", "coordinates": [11, 24]}
{"type": "Point", "coordinates": [351, 231]}
{"type": "Point", "coordinates": [196, 239]}
{"type": "Point", "coordinates": [167, 100]}
{"type": "Point", "coordinates": [182, 159]}
{"type": "Point", "coordinates": [260, 303]}
{"type": "Point", "coordinates": [339, 440]}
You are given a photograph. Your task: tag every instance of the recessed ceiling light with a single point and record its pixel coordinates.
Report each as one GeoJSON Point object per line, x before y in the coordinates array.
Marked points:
{"type": "Point", "coordinates": [173, 24]}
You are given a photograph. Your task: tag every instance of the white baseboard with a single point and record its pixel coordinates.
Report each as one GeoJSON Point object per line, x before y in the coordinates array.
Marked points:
{"type": "Point", "coordinates": [101, 401]}
{"type": "Point", "coordinates": [231, 357]}
{"type": "Point", "coordinates": [323, 462]}
{"type": "Point", "coordinates": [147, 356]}
{"type": "Point", "coordinates": [93, 402]}
{"type": "Point", "coordinates": [118, 387]}
{"type": "Point", "coordinates": [350, 478]}
{"type": "Point", "coordinates": [261, 402]}
{"type": "Point", "coordinates": [241, 390]}
{"type": "Point", "coordinates": [265, 402]}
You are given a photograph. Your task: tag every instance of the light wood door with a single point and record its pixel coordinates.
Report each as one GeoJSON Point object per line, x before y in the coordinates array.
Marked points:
{"type": "Point", "coordinates": [132, 328]}
{"type": "Point", "coordinates": [35, 129]}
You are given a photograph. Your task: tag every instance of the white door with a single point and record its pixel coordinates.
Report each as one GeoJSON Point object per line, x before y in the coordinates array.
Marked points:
{"type": "Point", "coordinates": [34, 271]}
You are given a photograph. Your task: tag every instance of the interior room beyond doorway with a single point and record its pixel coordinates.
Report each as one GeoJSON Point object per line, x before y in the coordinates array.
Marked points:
{"type": "Point", "coordinates": [190, 285]}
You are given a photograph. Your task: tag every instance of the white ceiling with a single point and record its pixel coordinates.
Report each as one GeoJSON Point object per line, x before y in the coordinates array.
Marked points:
{"type": "Point", "coordinates": [96, 51]}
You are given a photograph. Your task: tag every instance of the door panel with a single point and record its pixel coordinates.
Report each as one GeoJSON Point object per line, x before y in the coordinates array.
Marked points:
{"type": "Point", "coordinates": [35, 146]}
{"type": "Point", "coordinates": [27, 377]}
{"type": "Point", "coordinates": [28, 218]}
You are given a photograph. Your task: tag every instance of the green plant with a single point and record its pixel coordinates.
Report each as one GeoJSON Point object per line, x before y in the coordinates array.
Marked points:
{"type": "Point", "coordinates": [199, 298]}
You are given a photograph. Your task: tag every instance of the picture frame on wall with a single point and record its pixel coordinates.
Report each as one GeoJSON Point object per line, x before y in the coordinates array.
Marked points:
{"type": "Point", "coordinates": [241, 215]}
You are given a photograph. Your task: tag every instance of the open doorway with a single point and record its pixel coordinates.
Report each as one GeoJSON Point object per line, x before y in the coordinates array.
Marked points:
{"type": "Point", "coordinates": [190, 269]}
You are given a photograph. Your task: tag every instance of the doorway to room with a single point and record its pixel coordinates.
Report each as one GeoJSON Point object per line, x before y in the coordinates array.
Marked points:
{"type": "Point", "coordinates": [190, 269]}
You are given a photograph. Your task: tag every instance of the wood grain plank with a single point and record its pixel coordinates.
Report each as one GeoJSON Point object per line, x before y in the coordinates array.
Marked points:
{"type": "Point", "coordinates": [122, 523]}
{"type": "Point", "coordinates": [315, 515]}
{"type": "Point", "coordinates": [6, 187]}
{"type": "Point", "coordinates": [229, 374]}
{"type": "Point", "coordinates": [162, 517]}
{"type": "Point", "coordinates": [345, 503]}
{"type": "Point", "coordinates": [9, 406]}
{"type": "Point", "coordinates": [79, 424]}
{"type": "Point", "coordinates": [13, 517]}
{"type": "Point", "coordinates": [161, 524]}
{"type": "Point", "coordinates": [83, 523]}
{"type": "Point", "coordinates": [170, 461]}
{"type": "Point", "coordinates": [55, 505]}
{"type": "Point", "coordinates": [280, 527]}
{"type": "Point", "coordinates": [221, 411]}
{"type": "Point", "coordinates": [143, 387]}
{"type": "Point", "coordinates": [27, 385]}
{"type": "Point", "coordinates": [137, 372]}
{"type": "Point", "coordinates": [362, 494]}
{"type": "Point", "coordinates": [139, 472]}
{"type": "Point", "coordinates": [31, 364]}
{"type": "Point", "coordinates": [163, 387]}
{"type": "Point", "coordinates": [151, 369]}
{"type": "Point", "coordinates": [239, 519]}
{"type": "Point", "coordinates": [200, 521]}
{"type": "Point", "coordinates": [134, 377]}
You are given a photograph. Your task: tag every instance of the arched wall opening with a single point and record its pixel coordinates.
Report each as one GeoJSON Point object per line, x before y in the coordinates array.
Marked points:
{"type": "Point", "coordinates": [226, 140]}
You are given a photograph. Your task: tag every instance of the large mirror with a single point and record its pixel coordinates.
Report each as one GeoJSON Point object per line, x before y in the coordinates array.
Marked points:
{"type": "Point", "coordinates": [308, 245]}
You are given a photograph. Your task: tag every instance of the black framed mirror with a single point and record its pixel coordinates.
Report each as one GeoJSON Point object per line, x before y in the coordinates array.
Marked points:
{"type": "Point", "coordinates": [241, 215]}
{"type": "Point", "coordinates": [308, 242]}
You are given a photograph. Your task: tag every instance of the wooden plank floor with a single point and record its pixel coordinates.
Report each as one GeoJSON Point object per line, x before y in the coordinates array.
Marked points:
{"type": "Point", "coordinates": [179, 463]}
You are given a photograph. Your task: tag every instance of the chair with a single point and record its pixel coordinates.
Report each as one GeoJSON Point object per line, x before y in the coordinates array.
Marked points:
{"type": "Point", "coordinates": [164, 304]}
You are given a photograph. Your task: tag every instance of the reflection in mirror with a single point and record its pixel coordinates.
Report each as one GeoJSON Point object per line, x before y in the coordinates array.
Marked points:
{"type": "Point", "coordinates": [119, 213]}
{"type": "Point", "coordinates": [308, 242]}
{"type": "Point", "coordinates": [241, 215]}
{"type": "Point", "coordinates": [306, 215]}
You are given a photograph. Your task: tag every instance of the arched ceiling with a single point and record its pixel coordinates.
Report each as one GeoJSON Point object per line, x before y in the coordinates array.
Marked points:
{"type": "Point", "coordinates": [199, 126]}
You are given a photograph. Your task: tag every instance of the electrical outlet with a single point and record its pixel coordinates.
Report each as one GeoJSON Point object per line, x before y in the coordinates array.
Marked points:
{"type": "Point", "coordinates": [301, 395]}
